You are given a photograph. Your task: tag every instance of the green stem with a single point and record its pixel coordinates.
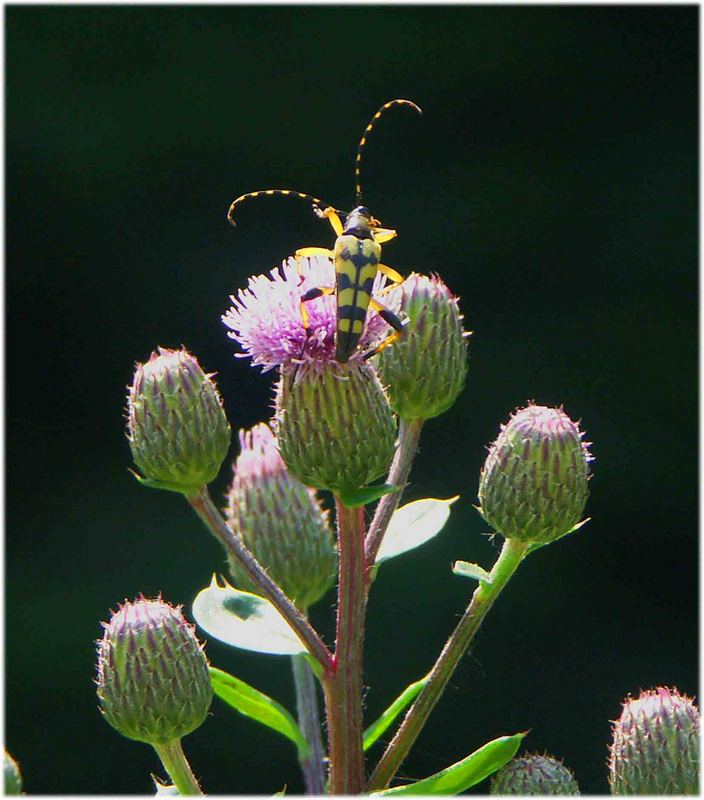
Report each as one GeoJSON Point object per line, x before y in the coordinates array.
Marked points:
{"type": "Point", "coordinates": [408, 437]}
{"type": "Point", "coordinates": [176, 764]}
{"type": "Point", "coordinates": [203, 505]}
{"type": "Point", "coordinates": [483, 598]}
{"type": "Point", "coordinates": [309, 722]}
{"type": "Point", "coordinates": [343, 688]}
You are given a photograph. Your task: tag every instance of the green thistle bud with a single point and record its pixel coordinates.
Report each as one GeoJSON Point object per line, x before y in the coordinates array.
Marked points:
{"type": "Point", "coordinates": [13, 776]}
{"type": "Point", "coordinates": [334, 426]}
{"type": "Point", "coordinates": [533, 485]}
{"type": "Point", "coordinates": [177, 427]}
{"type": "Point", "coordinates": [534, 775]}
{"type": "Point", "coordinates": [425, 369]}
{"type": "Point", "coordinates": [655, 748]}
{"type": "Point", "coordinates": [280, 521]}
{"type": "Point", "coordinates": [153, 680]}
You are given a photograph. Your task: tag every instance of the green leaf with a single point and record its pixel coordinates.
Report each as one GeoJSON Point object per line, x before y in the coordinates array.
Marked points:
{"type": "Point", "coordinates": [412, 525]}
{"type": "Point", "coordinates": [255, 704]}
{"type": "Point", "coordinates": [466, 773]}
{"type": "Point", "coordinates": [468, 570]}
{"type": "Point", "coordinates": [315, 666]}
{"type": "Point", "coordinates": [354, 498]}
{"type": "Point", "coordinates": [381, 725]}
{"type": "Point", "coordinates": [244, 620]}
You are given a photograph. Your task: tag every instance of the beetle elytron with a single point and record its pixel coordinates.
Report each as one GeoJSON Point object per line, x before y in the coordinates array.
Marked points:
{"type": "Point", "coordinates": [356, 255]}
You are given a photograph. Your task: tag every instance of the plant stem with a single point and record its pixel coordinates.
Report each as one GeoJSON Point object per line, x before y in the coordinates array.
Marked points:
{"type": "Point", "coordinates": [309, 721]}
{"type": "Point", "coordinates": [203, 505]}
{"type": "Point", "coordinates": [176, 764]}
{"type": "Point", "coordinates": [343, 689]}
{"type": "Point", "coordinates": [485, 594]}
{"type": "Point", "coordinates": [408, 436]}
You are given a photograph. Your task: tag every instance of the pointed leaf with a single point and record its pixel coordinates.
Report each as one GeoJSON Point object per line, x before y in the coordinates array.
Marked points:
{"type": "Point", "coordinates": [255, 704]}
{"type": "Point", "coordinates": [468, 570]}
{"type": "Point", "coordinates": [414, 524]}
{"type": "Point", "coordinates": [466, 773]}
{"type": "Point", "coordinates": [244, 620]}
{"type": "Point", "coordinates": [354, 498]}
{"type": "Point", "coordinates": [400, 704]}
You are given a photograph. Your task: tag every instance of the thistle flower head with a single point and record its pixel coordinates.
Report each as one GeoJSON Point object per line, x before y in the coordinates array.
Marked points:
{"type": "Point", "coordinates": [334, 425]}
{"type": "Point", "coordinates": [176, 425]}
{"type": "Point", "coordinates": [531, 775]}
{"type": "Point", "coordinates": [265, 318]}
{"type": "Point", "coordinates": [280, 521]}
{"type": "Point", "coordinates": [533, 485]}
{"type": "Point", "coordinates": [153, 681]}
{"type": "Point", "coordinates": [425, 369]}
{"type": "Point", "coordinates": [655, 747]}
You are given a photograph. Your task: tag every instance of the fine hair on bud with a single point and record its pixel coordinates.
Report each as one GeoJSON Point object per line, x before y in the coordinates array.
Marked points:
{"type": "Point", "coordinates": [655, 745]}
{"type": "Point", "coordinates": [334, 426]}
{"type": "Point", "coordinates": [280, 521]}
{"type": "Point", "coordinates": [425, 369]}
{"type": "Point", "coordinates": [534, 483]}
{"type": "Point", "coordinates": [176, 424]}
{"type": "Point", "coordinates": [153, 680]}
{"type": "Point", "coordinates": [534, 774]}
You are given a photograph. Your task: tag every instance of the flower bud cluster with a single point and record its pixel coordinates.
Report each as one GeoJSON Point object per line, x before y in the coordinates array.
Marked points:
{"type": "Point", "coordinates": [334, 426]}
{"type": "Point", "coordinates": [153, 680]}
{"type": "Point", "coordinates": [534, 483]}
{"type": "Point", "coordinates": [655, 746]}
{"type": "Point", "coordinates": [176, 424]}
{"type": "Point", "coordinates": [280, 521]}
{"type": "Point", "coordinates": [532, 775]}
{"type": "Point", "coordinates": [335, 422]}
{"type": "Point", "coordinates": [425, 369]}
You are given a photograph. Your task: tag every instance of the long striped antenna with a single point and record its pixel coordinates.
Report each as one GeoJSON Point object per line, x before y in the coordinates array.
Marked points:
{"type": "Point", "coordinates": [363, 141]}
{"type": "Point", "coordinates": [283, 192]}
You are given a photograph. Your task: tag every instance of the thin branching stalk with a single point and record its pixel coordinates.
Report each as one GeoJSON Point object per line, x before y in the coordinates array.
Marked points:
{"type": "Point", "coordinates": [309, 721]}
{"type": "Point", "coordinates": [203, 505]}
{"type": "Point", "coordinates": [507, 563]}
{"type": "Point", "coordinates": [408, 437]}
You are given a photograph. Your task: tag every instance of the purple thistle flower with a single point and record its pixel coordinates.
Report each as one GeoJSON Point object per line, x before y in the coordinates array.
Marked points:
{"type": "Point", "coordinates": [265, 318]}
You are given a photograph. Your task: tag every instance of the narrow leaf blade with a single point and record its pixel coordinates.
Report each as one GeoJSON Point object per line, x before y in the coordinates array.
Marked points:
{"type": "Point", "coordinates": [413, 525]}
{"type": "Point", "coordinates": [388, 717]}
{"type": "Point", "coordinates": [464, 774]}
{"type": "Point", "coordinates": [244, 620]}
{"type": "Point", "coordinates": [466, 569]}
{"type": "Point", "coordinates": [254, 704]}
{"type": "Point", "coordinates": [354, 498]}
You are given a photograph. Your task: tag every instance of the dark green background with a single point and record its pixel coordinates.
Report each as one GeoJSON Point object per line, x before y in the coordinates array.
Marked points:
{"type": "Point", "coordinates": [552, 182]}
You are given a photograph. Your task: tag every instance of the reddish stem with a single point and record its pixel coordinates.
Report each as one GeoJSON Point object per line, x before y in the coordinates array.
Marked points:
{"type": "Point", "coordinates": [343, 688]}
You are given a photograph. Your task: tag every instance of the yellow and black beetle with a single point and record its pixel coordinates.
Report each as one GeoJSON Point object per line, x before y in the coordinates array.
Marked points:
{"type": "Point", "coordinates": [356, 255]}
